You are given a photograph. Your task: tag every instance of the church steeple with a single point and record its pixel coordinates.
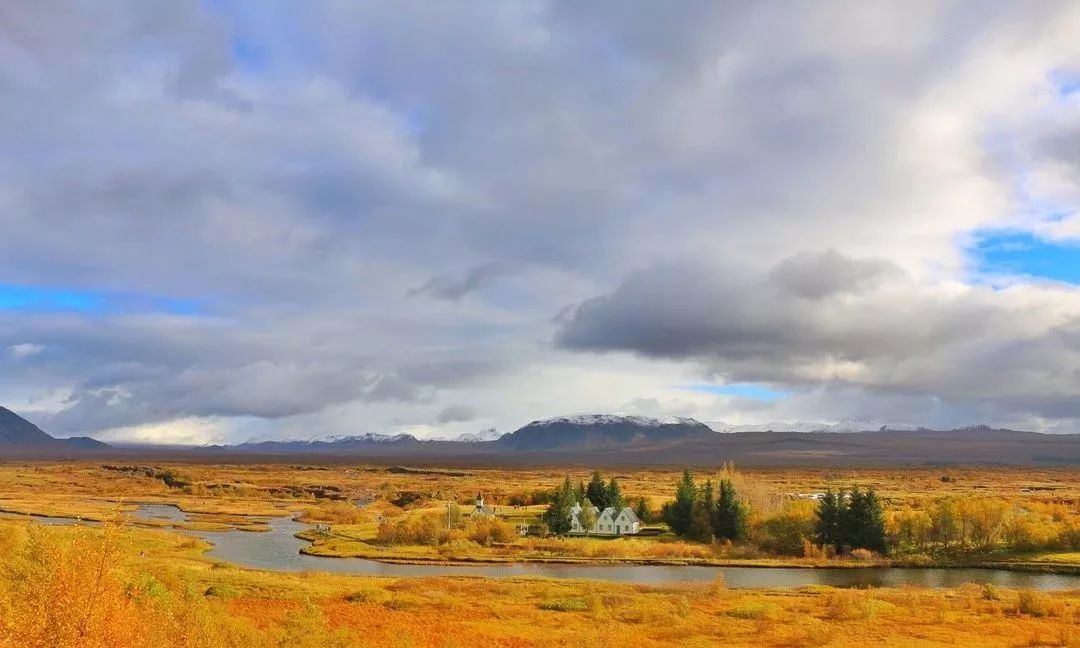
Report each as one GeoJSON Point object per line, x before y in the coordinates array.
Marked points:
{"type": "Point", "coordinates": [479, 500]}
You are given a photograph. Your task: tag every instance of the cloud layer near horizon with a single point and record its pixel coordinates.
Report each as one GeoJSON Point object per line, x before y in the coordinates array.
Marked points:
{"type": "Point", "coordinates": [354, 217]}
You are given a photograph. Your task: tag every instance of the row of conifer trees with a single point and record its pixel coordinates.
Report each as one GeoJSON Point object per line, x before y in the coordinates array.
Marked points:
{"type": "Point", "coordinates": [703, 513]}
{"type": "Point", "coordinates": [596, 493]}
{"type": "Point", "coordinates": [852, 520]}
{"type": "Point", "coordinates": [844, 520]}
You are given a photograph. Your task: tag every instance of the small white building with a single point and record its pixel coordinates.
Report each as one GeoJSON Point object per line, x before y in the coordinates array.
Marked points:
{"type": "Point", "coordinates": [481, 510]}
{"type": "Point", "coordinates": [608, 522]}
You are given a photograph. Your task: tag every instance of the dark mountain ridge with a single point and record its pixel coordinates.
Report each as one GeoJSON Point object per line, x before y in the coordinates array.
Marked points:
{"type": "Point", "coordinates": [20, 437]}
{"type": "Point", "coordinates": [17, 431]}
{"type": "Point", "coordinates": [601, 439]}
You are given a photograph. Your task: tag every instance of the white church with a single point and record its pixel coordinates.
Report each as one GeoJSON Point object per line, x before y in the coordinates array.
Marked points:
{"type": "Point", "coordinates": [610, 521]}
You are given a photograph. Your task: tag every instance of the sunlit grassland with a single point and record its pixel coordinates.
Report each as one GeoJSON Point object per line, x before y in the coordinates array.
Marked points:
{"type": "Point", "coordinates": [244, 496]}
{"type": "Point", "coordinates": [122, 587]}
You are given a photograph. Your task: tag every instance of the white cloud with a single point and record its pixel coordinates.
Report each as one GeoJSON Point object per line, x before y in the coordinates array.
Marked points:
{"type": "Point", "coordinates": [24, 350]}
{"type": "Point", "coordinates": [511, 159]}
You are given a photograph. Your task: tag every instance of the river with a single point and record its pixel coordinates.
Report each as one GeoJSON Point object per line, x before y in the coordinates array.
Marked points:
{"type": "Point", "coordinates": [279, 550]}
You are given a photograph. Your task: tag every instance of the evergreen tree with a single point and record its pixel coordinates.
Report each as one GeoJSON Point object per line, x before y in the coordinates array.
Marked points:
{"type": "Point", "coordinates": [557, 516]}
{"type": "Point", "coordinates": [707, 497]}
{"type": "Point", "coordinates": [642, 511]}
{"type": "Point", "coordinates": [595, 491]}
{"type": "Point", "coordinates": [579, 494]}
{"type": "Point", "coordinates": [853, 521]}
{"type": "Point", "coordinates": [873, 517]}
{"type": "Point", "coordinates": [729, 520]}
{"type": "Point", "coordinates": [680, 512]}
{"type": "Point", "coordinates": [827, 525]}
{"type": "Point", "coordinates": [701, 520]}
{"type": "Point", "coordinates": [613, 495]}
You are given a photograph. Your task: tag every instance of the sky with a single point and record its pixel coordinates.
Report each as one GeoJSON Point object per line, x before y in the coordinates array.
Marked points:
{"type": "Point", "coordinates": [224, 220]}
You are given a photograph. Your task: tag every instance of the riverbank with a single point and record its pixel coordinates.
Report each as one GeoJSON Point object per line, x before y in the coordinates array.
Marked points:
{"type": "Point", "coordinates": [182, 597]}
{"type": "Point", "coordinates": [326, 545]}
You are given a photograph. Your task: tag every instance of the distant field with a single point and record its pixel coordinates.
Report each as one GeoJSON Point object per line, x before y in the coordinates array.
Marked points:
{"type": "Point", "coordinates": [244, 496]}
{"type": "Point", "coordinates": [124, 586]}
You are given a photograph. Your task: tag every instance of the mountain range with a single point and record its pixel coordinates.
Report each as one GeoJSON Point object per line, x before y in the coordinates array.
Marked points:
{"type": "Point", "coordinates": [607, 439]}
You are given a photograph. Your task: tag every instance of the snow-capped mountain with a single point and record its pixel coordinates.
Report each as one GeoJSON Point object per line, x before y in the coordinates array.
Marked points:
{"type": "Point", "coordinates": [867, 425]}
{"type": "Point", "coordinates": [842, 426]}
{"type": "Point", "coordinates": [490, 434]}
{"type": "Point", "coordinates": [614, 419]}
{"type": "Point", "coordinates": [597, 431]}
{"type": "Point", "coordinates": [772, 426]}
{"type": "Point", "coordinates": [368, 439]}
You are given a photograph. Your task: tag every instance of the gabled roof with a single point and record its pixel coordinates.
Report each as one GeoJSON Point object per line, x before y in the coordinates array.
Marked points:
{"type": "Point", "coordinates": [626, 511]}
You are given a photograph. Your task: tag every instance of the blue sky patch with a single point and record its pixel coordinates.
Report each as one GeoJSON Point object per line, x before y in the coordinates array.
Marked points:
{"type": "Point", "coordinates": [36, 299]}
{"type": "Point", "coordinates": [1066, 82]}
{"type": "Point", "coordinates": [741, 390]}
{"type": "Point", "coordinates": [1021, 253]}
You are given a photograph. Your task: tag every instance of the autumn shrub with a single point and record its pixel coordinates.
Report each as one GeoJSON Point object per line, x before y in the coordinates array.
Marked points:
{"type": "Point", "coordinates": [755, 611]}
{"type": "Point", "coordinates": [990, 592]}
{"type": "Point", "coordinates": [848, 605]}
{"type": "Point", "coordinates": [576, 604]}
{"type": "Point", "coordinates": [336, 512]}
{"type": "Point", "coordinates": [787, 531]}
{"type": "Point", "coordinates": [427, 529]}
{"type": "Point", "coordinates": [488, 530]}
{"type": "Point", "coordinates": [1032, 603]}
{"type": "Point", "coordinates": [73, 588]}
{"type": "Point", "coordinates": [863, 555]}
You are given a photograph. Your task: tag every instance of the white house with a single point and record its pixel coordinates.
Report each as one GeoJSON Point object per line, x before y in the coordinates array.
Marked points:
{"type": "Point", "coordinates": [609, 522]}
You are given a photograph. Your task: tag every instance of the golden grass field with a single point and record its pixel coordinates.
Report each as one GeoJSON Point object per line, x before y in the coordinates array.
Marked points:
{"type": "Point", "coordinates": [243, 496]}
{"type": "Point", "coordinates": [126, 585]}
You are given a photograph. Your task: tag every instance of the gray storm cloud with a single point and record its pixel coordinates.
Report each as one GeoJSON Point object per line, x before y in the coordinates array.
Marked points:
{"type": "Point", "coordinates": [762, 192]}
{"type": "Point", "coordinates": [825, 318]}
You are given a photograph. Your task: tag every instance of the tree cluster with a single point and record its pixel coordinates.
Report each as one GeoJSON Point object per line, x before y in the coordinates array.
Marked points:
{"type": "Point", "coordinates": [604, 495]}
{"type": "Point", "coordinates": [853, 520]}
{"type": "Point", "coordinates": [700, 513]}
{"type": "Point", "coordinates": [596, 493]}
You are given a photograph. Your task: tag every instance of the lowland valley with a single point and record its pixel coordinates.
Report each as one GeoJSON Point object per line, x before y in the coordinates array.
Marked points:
{"type": "Point", "coordinates": [122, 580]}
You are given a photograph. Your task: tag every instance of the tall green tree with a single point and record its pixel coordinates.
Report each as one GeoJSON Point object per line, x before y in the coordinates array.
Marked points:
{"type": "Point", "coordinates": [852, 520]}
{"type": "Point", "coordinates": [827, 525]}
{"type": "Point", "coordinates": [557, 516]}
{"type": "Point", "coordinates": [587, 517]}
{"type": "Point", "coordinates": [613, 495]}
{"type": "Point", "coordinates": [873, 521]}
{"type": "Point", "coordinates": [701, 520]}
{"type": "Point", "coordinates": [642, 510]}
{"type": "Point", "coordinates": [596, 492]}
{"type": "Point", "coordinates": [681, 511]}
{"type": "Point", "coordinates": [856, 521]}
{"type": "Point", "coordinates": [729, 520]}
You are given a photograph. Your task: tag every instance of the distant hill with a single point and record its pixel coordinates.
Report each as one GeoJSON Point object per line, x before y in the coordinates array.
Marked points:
{"type": "Point", "coordinates": [15, 431]}
{"type": "Point", "coordinates": [84, 443]}
{"type": "Point", "coordinates": [324, 445]}
{"type": "Point", "coordinates": [600, 431]}
{"type": "Point", "coordinates": [607, 440]}
{"type": "Point", "coordinates": [20, 437]}
{"type": "Point", "coordinates": [604, 439]}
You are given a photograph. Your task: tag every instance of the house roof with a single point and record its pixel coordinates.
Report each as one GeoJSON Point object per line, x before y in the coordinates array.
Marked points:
{"type": "Point", "coordinates": [626, 511]}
